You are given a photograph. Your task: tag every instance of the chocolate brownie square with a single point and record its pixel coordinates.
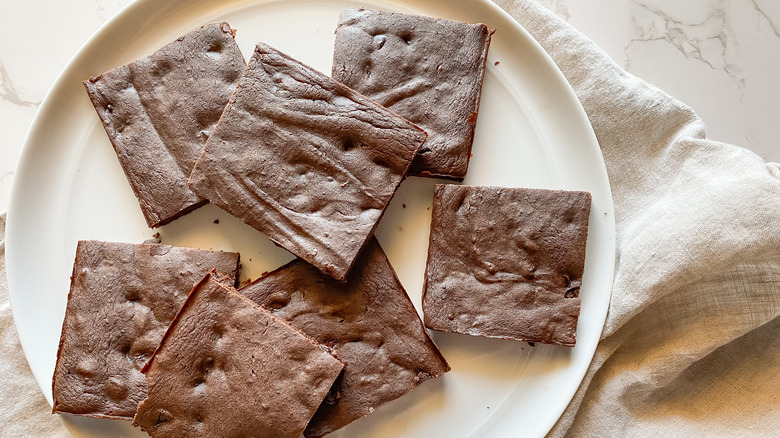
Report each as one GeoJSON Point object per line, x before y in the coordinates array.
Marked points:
{"type": "Point", "coordinates": [305, 160]}
{"type": "Point", "coordinates": [428, 70]}
{"type": "Point", "coordinates": [369, 322]}
{"type": "Point", "coordinates": [227, 368]}
{"type": "Point", "coordinates": [159, 111]}
{"type": "Point", "coordinates": [122, 298]}
{"type": "Point", "coordinates": [506, 262]}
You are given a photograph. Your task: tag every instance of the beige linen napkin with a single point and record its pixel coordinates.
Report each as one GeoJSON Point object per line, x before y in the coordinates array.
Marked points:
{"type": "Point", "coordinates": [691, 346]}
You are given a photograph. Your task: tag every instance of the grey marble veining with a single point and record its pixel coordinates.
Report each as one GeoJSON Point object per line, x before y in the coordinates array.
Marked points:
{"type": "Point", "coordinates": [721, 57]}
{"type": "Point", "coordinates": [705, 36]}
{"type": "Point", "coordinates": [772, 18]}
{"type": "Point", "coordinates": [9, 93]}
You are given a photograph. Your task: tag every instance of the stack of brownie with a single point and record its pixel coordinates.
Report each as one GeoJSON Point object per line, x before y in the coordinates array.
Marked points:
{"type": "Point", "coordinates": [161, 336]}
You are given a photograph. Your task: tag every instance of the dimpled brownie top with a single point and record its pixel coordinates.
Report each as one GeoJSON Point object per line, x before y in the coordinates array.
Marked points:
{"type": "Point", "coordinates": [159, 111]}
{"type": "Point", "coordinates": [506, 262]}
{"type": "Point", "coordinates": [426, 69]}
{"type": "Point", "coordinates": [370, 324]}
{"type": "Point", "coordinates": [305, 160]}
{"type": "Point", "coordinates": [227, 368]}
{"type": "Point", "coordinates": [122, 298]}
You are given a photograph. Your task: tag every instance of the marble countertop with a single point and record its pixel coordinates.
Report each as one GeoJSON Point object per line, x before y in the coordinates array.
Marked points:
{"type": "Point", "coordinates": [721, 57]}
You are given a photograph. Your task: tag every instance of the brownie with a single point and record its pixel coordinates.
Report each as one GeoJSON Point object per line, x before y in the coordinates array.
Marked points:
{"type": "Point", "coordinates": [227, 368]}
{"type": "Point", "coordinates": [305, 160]}
{"type": "Point", "coordinates": [506, 262]}
{"type": "Point", "coordinates": [428, 70]}
{"type": "Point", "coordinates": [370, 324]}
{"type": "Point", "coordinates": [159, 111]}
{"type": "Point", "coordinates": [122, 297]}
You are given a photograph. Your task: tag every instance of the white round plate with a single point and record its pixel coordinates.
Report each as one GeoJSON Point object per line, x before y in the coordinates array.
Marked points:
{"type": "Point", "coordinates": [531, 132]}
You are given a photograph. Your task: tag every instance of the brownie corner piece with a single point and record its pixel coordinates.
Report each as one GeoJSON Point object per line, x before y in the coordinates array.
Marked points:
{"type": "Point", "coordinates": [428, 70]}
{"type": "Point", "coordinates": [305, 160]}
{"type": "Point", "coordinates": [226, 367]}
{"type": "Point", "coordinates": [122, 297]}
{"type": "Point", "coordinates": [506, 262]}
{"type": "Point", "coordinates": [158, 112]}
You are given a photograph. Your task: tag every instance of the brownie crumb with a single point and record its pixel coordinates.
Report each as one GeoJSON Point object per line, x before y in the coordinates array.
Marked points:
{"type": "Point", "coordinates": [245, 282]}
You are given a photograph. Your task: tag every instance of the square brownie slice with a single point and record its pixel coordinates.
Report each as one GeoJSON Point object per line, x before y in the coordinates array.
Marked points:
{"type": "Point", "coordinates": [159, 111]}
{"type": "Point", "coordinates": [506, 262]}
{"type": "Point", "coordinates": [305, 160]}
{"type": "Point", "coordinates": [369, 323]}
{"type": "Point", "coordinates": [426, 69]}
{"type": "Point", "coordinates": [122, 298]}
{"type": "Point", "coordinates": [227, 368]}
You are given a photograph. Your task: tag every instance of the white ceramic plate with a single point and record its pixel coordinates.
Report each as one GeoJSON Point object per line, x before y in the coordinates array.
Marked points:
{"type": "Point", "coordinates": [531, 132]}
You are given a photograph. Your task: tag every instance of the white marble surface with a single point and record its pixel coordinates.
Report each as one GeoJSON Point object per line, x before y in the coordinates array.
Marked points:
{"type": "Point", "coordinates": [722, 57]}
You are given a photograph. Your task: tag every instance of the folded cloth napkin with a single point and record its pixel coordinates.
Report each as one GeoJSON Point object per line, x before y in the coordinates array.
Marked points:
{"type": "Point", "coordinates": [691, 346]}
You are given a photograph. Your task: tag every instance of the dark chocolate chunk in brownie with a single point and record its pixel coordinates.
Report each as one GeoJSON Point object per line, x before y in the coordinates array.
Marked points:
{"type": "Point", "coordinates": [122, 298]}
{"type": "Point", "coordinates": [506, 262]}
{"type": "Point", "coordinates": [305, 160]}
{"type": "Point", "coordinates": [428, 70]}
{"type": "Point", "coordinates": [370, 324]}
{"type": "Point", "coordinates": [227, 368]}
{"type": "Point", "coordinates": [159, 111]}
